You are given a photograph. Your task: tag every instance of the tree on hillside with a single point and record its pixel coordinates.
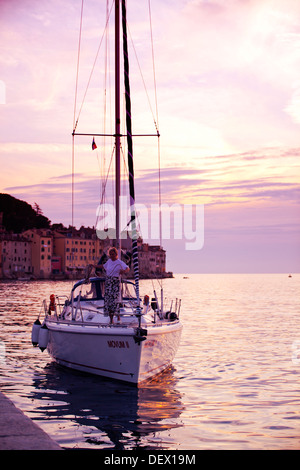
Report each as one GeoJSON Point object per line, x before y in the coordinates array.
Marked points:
{"type": "Point", "coordinates": [19, 215]}
{"type": "Point", "coordinates": [37, 209]}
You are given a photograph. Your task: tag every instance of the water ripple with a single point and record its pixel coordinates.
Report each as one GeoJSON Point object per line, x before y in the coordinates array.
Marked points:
{"type": "Point", "coordinates": [234, 383]}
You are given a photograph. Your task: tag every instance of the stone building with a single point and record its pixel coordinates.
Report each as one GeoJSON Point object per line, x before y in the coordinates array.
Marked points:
{"type": "Point", "coordinates": [15, 256]}
{"type": "Point", "coordinates": [77, 249]}
{"type": "Point", "coordinates": [42, 251]}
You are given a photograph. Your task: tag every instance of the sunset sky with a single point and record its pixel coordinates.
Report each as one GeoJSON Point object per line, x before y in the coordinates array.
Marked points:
{"type": "Point", "coordinates": [228, 87]}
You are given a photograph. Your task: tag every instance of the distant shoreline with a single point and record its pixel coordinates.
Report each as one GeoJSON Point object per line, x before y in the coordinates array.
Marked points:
{"type": "Point", "coordinates": [168, 275]}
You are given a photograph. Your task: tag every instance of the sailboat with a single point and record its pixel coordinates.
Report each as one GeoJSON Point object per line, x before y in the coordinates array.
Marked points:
{"type": "Point", "coordinates": [78, 333]}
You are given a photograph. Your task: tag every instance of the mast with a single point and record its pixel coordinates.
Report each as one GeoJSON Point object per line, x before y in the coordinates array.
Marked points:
{"type": "Point", "coordinates": [117, 120]}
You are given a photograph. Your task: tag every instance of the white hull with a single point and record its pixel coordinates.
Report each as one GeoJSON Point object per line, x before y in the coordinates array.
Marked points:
{"type": "Point", "coordinates": [112, 351]}
{"type": "Point", "coordinates": [78, 334]}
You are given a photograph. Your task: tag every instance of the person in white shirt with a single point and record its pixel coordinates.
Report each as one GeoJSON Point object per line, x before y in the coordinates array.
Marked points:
{"type": "Point", "coordinates": [114, 267]}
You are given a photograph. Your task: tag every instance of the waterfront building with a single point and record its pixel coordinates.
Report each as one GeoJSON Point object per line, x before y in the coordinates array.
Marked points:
{"type": "Point", "coordinates": [42, 251]}
{"type": "Point", "coordinates": [77, 249]}
{"type": "Point", "coordinates": [15, 256]}
{"type": "Point", "coordinates": [45, 253]}
{"type": "Point", "coordinates": [152, 260]}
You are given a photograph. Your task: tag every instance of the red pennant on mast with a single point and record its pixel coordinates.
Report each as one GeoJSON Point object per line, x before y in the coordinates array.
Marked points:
{"type": "Point", "coordinates": [94, 146]}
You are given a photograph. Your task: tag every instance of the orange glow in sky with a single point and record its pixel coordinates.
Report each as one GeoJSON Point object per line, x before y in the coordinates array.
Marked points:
{"type": "Point", "coordinates": [227, 78]}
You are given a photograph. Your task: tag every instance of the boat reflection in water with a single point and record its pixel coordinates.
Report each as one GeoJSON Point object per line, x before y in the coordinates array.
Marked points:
{"type": "Point", "coordinates": [94, 411]}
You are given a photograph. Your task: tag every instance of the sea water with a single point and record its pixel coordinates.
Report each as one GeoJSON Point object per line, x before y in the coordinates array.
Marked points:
{"type": "Point", "coordinates": [234, 383]}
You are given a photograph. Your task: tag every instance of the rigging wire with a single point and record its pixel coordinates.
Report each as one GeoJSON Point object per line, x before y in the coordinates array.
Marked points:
{"type": "Point", "coordinates": [106, 68]}
{"type": "Point", "coordinates": [158, 136]}
{"type": "Point", "coordinates": [93, 67]}
{"type": "Point", "coordinates": [73, 142]}
{"type": "Point", "coordinates": [153, 63]}
{"type": "Point", "coordinates": [154, 114]}
{"type": "Point", "coordinates": [78, 60]}
{"type": "Point", "coordinates": [143, 80]}
{"type": "Point", "coordinates": [105, 182]}
{"type": "Point", "coordinates": [75, 121]}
